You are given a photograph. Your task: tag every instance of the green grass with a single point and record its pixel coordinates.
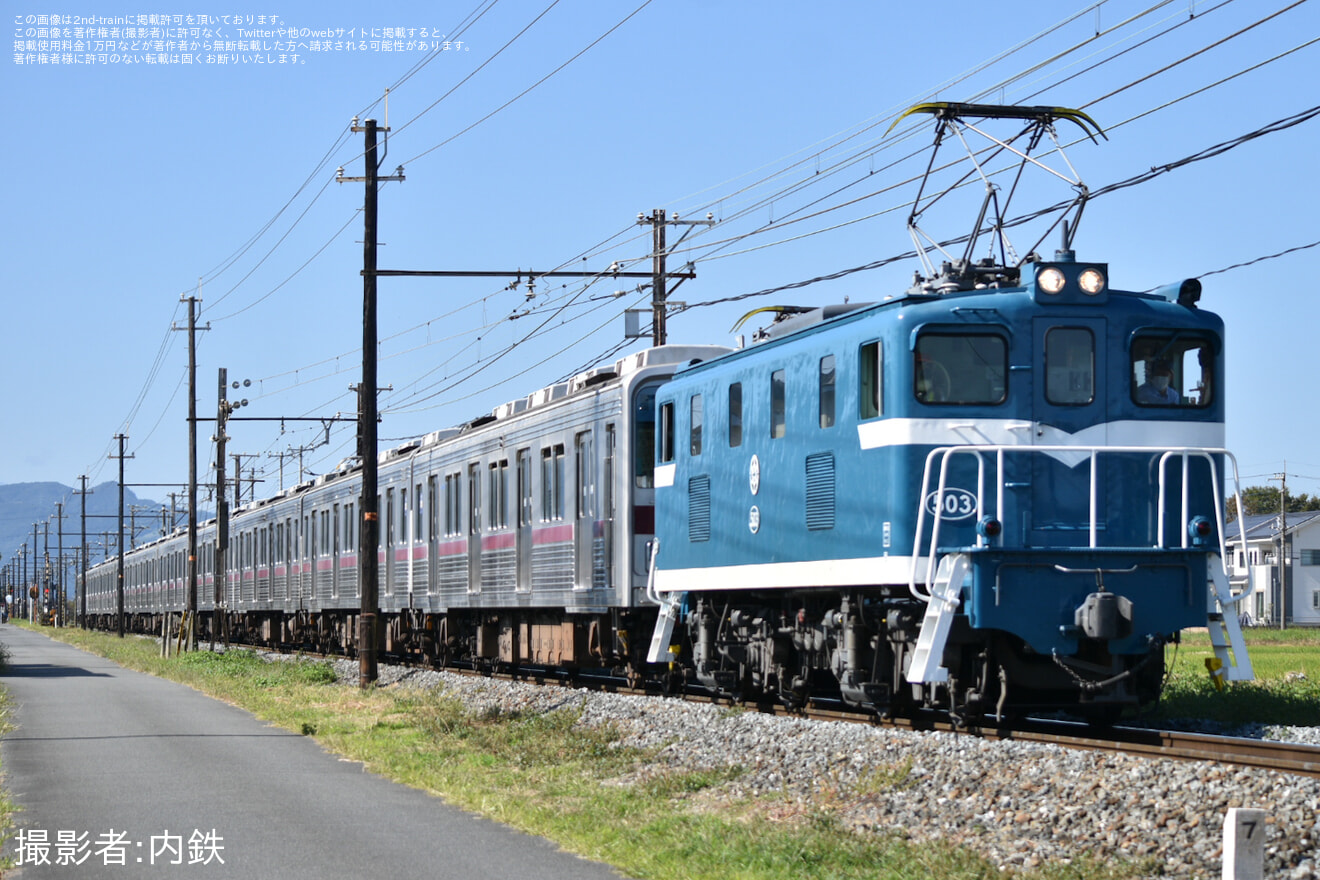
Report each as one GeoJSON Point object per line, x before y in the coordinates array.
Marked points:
{"type": "Point", "coordinates": [1286, 690]}
{"type": "Point", "coordinates": [578, 787]}
{"type": "Point", "coordinates": [7, 806]}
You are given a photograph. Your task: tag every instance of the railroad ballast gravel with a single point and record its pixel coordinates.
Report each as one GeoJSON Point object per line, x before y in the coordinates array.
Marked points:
{"type": "Point", "coordinates": [1019, 804]}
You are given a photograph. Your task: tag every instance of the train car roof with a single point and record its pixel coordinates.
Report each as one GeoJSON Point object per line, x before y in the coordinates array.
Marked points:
{"type": "Point", "coordinates": [665, 355]}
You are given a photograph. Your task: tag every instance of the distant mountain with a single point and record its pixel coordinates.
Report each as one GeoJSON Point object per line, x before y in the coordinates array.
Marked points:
{"type": "Point", "coordinates": [22, 504]}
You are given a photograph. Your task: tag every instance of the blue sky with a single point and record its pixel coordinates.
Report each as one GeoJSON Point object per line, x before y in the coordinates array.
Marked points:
{"type": "Point", "coordinates": [132, 184]}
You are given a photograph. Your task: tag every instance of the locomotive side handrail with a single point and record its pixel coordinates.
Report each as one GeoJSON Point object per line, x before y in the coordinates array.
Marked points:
{"type": "Point", "coordinates": [944, 454]}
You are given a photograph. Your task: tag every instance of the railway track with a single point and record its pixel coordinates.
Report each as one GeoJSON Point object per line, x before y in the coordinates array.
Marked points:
{"type": "Point", "coordinates": [1283, 757]}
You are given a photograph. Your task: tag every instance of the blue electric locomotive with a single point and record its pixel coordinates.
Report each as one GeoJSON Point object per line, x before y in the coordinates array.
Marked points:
{"type": "Point", "coordinates": [1001, 491]}
{"type": "Point", "coordinates": [974, 499]}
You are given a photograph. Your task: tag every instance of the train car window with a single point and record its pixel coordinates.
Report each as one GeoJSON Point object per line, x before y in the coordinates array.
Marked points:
{"type": "Point", "coordinates": [419, 514]}
{"type": "Point", "coordinates": [499, 494]}
{"type": "Point", "coordinates": [666, 433]}
{"type": "Point", "coordinates": [453, 504]}
{"type": "Point", "coordinates": [552, 483]}
{"type": "Point", "coordinates": [868, 380]}
{"type": "Point", "coordinates": [694, 425]}
{"type": "Point", "coordinates": [778, 404]}
{"type": "Point", "coordinates": [403, 517]}
{"type": "Point", "coordinates": [1172, 370]}
{"type": "Point", "coordinates": [524, 487]}
{"type": "Point", "coordinates": [389, 517]}
{"type": "Point", "coordinates": [1069, 366]}
{"type": "Point", "coordinates": [584, 463]}
{"type": "Point", "coordinates": [960, 368]}
{"type": "Point", "coordinates": [325, 533]}
{"type": "Point", "coordinates": [474, 499]}
{"type": "Point", "coordinates": [735, 414]}
{"type": "Point", "coordinates": [433, 510]}
{"type": "Point", "coordinates": [827, 381]}
{"type": "Point", "coordinates": [644, 437]}
{"type": "Point", "coordinates": [607, 472]}
{"type": "Point", "coordinates": [350, 528]}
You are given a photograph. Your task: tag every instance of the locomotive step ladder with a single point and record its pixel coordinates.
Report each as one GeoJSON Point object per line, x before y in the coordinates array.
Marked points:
{"type": "Point", "coordinates": [1225, 633]}
{"type": "Point", "coordinates": [664, 627]}
{"type": "Point", "coordinates": [927, 661]}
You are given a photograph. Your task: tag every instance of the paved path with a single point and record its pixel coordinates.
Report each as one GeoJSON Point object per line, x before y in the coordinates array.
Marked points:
{"type": "Point", "coordinates": [154, 780]}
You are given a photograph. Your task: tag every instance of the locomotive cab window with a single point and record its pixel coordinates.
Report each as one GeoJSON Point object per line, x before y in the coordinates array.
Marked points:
{"type": "Point", "coordinates": [827, 383]}
{"type": "Point", "coordinates": [735, 414]}
{"type": "Point", "coordinates": [868, 380]}
{"type": "Point", "coordinates": [960, 368]}
{"type": "Point", "coordinates": [1069, 366]}
{"type": "Point", "coordinates": [695, 419]}
{"type": "Point", "coordinates": [778, 404]}
{"type": "Point", "coordinates": [1173, 370]}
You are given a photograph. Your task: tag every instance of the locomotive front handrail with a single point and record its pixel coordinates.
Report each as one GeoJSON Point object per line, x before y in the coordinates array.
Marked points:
{"type": "Point", "coordinates": [944, 454]}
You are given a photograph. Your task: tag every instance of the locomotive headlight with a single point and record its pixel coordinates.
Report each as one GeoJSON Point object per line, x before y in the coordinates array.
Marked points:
{"type": "Point", "coordinates": [1092, 282]}
{"type": "Point", "coordinates": [1199, 530]}
{"type": "Point", "coordinates": [1050, 280]}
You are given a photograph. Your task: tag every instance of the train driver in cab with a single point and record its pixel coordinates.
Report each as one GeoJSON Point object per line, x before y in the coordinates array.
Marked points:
{"type": "Point", "coordinates": [1157, 390]}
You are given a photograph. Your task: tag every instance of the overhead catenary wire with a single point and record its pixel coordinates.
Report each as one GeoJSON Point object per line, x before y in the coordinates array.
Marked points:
{"type": "Point", "coordinates": [706, 244]}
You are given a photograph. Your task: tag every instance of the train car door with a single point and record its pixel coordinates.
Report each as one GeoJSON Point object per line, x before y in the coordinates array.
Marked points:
{"type": "Point", "coordinates": [607, 505]}
{"type": "Point", "coordinates": [523, 541]}
{"type": "Point", "coordinates": [474, 528]}
{"type": "Point", "coordinates": [334, 555]}
{"type": "Point", "coordinates": [391, 538]}
{"type": "Point", "coordinates": [1068, 408]}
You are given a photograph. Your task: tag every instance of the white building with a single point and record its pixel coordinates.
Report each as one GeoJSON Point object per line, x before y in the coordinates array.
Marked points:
{"type": "Point", "coordinates": [1300, 583]}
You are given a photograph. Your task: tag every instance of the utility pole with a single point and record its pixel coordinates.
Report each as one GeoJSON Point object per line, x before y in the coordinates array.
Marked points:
{"type": "Point", "coordinates": [81, 589]}
{"type": "Point", "coordinates": [59, 549]}
{"type": "Point", "coordinates": [1283, 545]}
{"type": "Point", "coordinates": [369, 525]}
{"type": "Point", "coordinates": [46, 580]}
{"type": "Point", "coordinates": [221, 510]}
{"type": "Point", "coordinates": [659, 276]}
{"type": "Point", "coordinates": [119, 567]}
{"type": "Point", "coordinates": [191, 632]}
{"type": "Point", "coordinates": [36, 576]}
{"type": "Point", "coordinates": [239, 478]}
{"type": "Point", "coordinates": [369, 549]}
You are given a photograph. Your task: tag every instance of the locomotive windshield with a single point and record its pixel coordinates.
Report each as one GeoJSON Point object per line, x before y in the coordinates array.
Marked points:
{"type": "Point", "coordinates": [960, 368]}
{"type": "Point", "coordinates": [1172, 370]}
{"type": "Point", "coordinates": [1069, 366]}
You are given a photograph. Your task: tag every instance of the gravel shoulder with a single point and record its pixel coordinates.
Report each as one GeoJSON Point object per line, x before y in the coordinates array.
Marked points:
{"type": "Point", "coordinates": [1020, 804]}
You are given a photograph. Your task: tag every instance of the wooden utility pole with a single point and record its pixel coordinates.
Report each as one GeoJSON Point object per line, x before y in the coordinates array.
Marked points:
{"type": "Point", "coordinates": [119, 566]}
{"type": "Point", "coordinates": [218, 615]}
{"type": "Point", "coordinates": [367, 440]}
{"type": "Point", "coordinates": [82, 577]}
{"type": "Point", "coordinates": [659, 276]}
{"type": "Point", "coordinates": [59, 554]}
{"type": "Point", "coordinates": [190, 638]}
{"type": "Point", "coordinates": [1283, 546]}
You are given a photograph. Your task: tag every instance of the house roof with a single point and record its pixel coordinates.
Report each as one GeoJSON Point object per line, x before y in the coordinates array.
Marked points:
{"type": "Point", "coordinates": [1265, 526]}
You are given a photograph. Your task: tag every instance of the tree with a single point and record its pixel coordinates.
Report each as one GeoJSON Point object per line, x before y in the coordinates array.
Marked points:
{"type": "Point", "coordinates": [1265, 499]}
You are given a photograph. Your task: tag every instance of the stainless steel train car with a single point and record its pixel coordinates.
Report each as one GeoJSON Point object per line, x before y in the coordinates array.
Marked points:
{"type": "Point", "coordinates": [519, 537]}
